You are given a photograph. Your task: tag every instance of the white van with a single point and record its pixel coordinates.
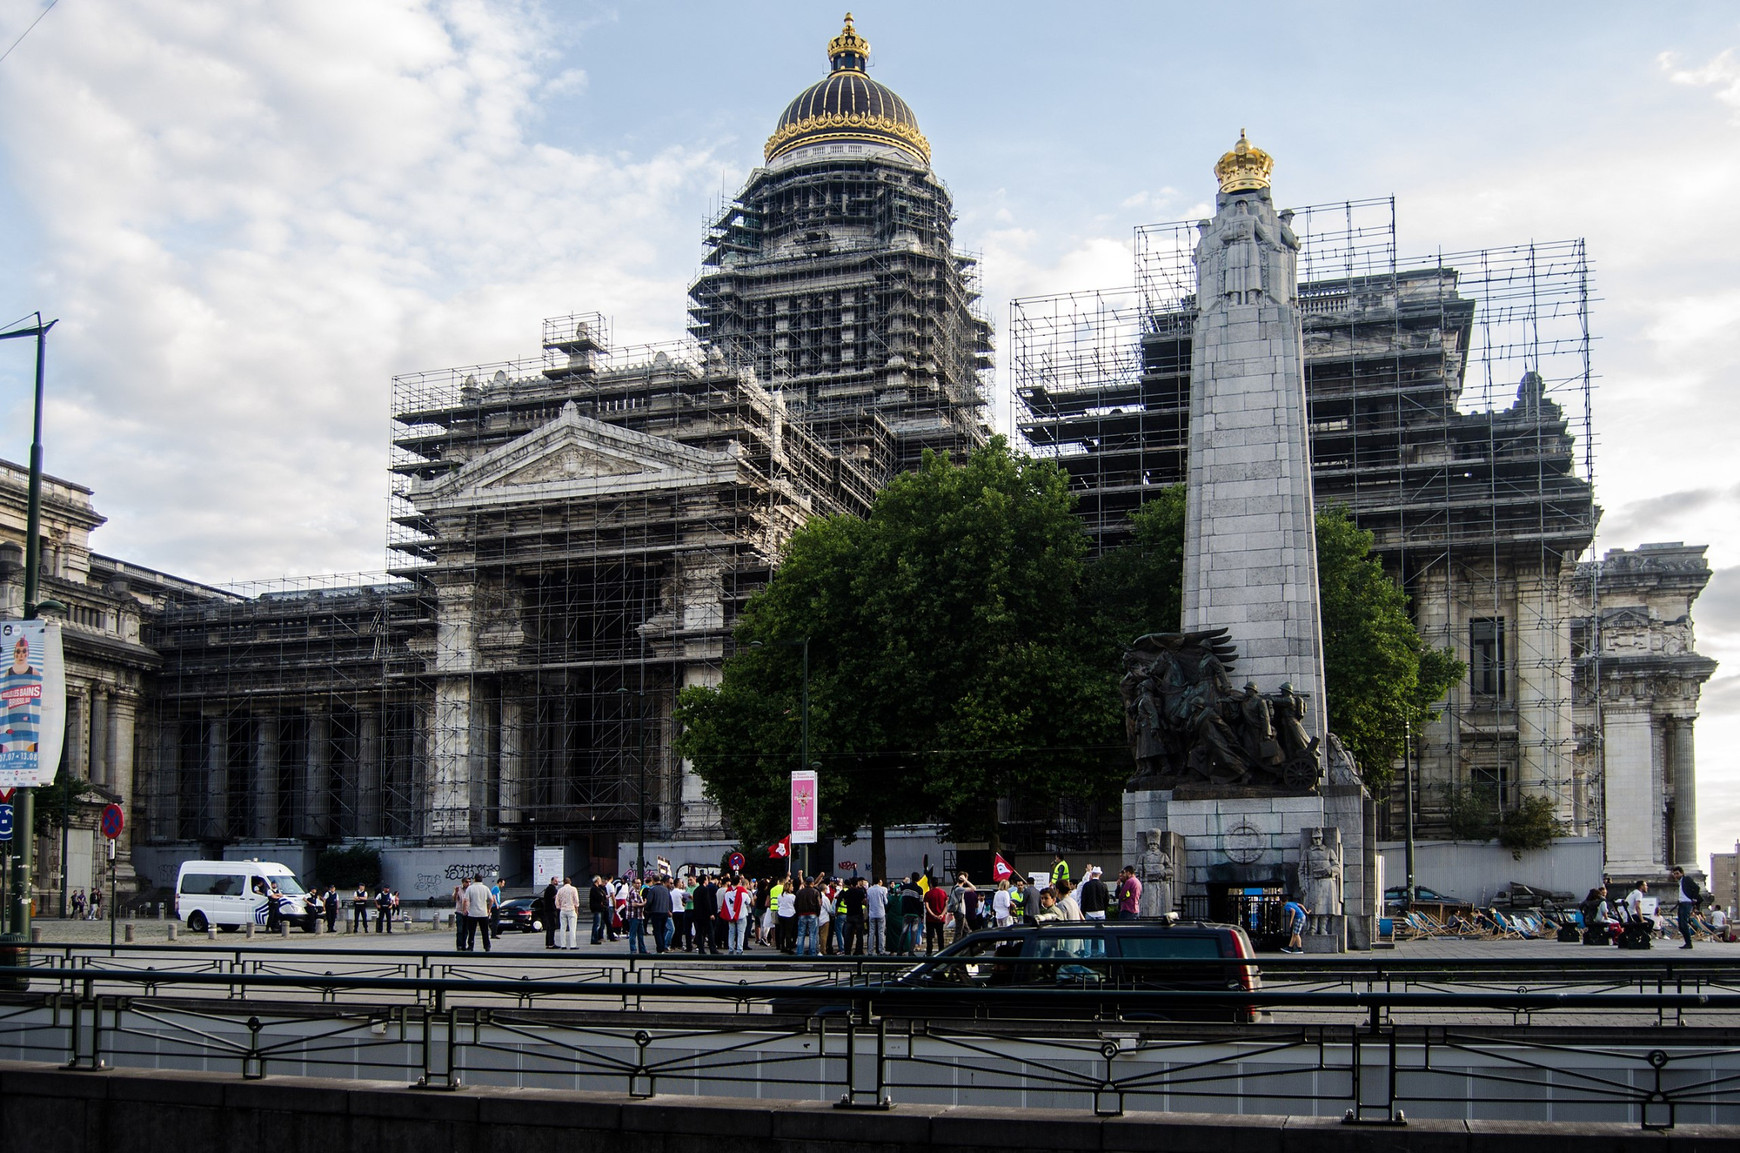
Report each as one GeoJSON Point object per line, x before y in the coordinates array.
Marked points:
{"type": "Point", "coordinates": [230, 894]}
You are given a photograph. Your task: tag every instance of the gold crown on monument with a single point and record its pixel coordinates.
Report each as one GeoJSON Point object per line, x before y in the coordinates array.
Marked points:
{"type": "Point", "coordinates": [848, 41]}
{"type": "Point", "coordinates": [1245, 167]}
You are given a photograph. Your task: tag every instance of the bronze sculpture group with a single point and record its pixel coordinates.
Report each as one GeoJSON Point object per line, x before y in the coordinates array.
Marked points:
{"type": "Point", "coordinates": [1185, 721]}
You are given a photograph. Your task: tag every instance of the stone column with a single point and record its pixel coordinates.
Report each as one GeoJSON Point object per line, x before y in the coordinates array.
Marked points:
{"type": "Point", "coordinates": [451, 747]}
{"type": "Point", "coordinates": [369, 770]}
{"type": "Point", "coordinates": [1631, 803]}
{"type": "Point", "coordinates": [1540, 661]}
{"type": "Point", "coordinates": [123, 724]}
{"type": "Point", "coordinates": [265, 765]}
{"type": "Point", "coordinates": [449, 794]}
{"type": "Point", "coordinates": [99, 734]}
{"type": "Point", "coordinates": [319, 773]}
{"type": "Point", "coordinates": [1683, 759]}
{"type": "Point", "coordinates": [217, 784]}
{"type": "Point", "coordinates": [77, 756]}
{"type": "Point", "coordinates": [512, 759]}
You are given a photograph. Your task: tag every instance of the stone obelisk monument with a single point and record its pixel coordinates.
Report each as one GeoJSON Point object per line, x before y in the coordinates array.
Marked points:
{"type": "Point", "coordinates": [1250, 550]}
{"type": "Point", "coordinates": [1244, 786]}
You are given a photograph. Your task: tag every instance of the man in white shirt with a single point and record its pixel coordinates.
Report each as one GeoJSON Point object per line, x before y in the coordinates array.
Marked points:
{"type": "Point", "coordinates": [476, 914]}
{"type": "Point", "coordinates": [1634, 901]}
{"type": "Point", "coordinates": [877, 904]}
{"type": "Point", "coordinates": [568, 914]}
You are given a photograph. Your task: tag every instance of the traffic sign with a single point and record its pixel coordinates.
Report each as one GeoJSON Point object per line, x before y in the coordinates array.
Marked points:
{"type": "Point", "coordinates": [5, 822]}
{"type": "Point", "coordinates": [112, 822]}
{"type": "Point", "coordinates": [5, 796]}
{"type": "Point", "coordinates": [735, 861]}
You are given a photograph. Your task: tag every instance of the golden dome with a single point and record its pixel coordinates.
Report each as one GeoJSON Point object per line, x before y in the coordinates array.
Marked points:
{"type": "Point", "coordinates": [847, 105]}
{"type": "Point", "coordinates": [1245, 167]}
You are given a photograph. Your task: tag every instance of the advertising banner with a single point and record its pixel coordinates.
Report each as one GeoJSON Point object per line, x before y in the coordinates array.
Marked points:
{"type": "Point", "coordinates": [32, 703]}
{"type": "Point", "coordinates": [803, 808]}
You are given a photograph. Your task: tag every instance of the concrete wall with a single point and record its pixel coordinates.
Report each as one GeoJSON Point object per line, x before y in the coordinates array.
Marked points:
{"type": "Point", "coordinates": [419, 874]}
{"type": "Point", "coordinates": [1475, 870]}
{"type": "Point", "coordinates": [44, 1109]}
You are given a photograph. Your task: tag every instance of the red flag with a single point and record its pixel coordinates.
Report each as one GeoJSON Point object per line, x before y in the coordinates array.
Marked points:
{"type": "Point", "coordinates": [781, 849]}
{"type": "Point", "coordinates": [1000, 870]}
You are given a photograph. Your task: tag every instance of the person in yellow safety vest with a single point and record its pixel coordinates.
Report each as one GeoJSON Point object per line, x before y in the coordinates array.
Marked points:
{"type": "Point", "coordinates": [1059, 870]}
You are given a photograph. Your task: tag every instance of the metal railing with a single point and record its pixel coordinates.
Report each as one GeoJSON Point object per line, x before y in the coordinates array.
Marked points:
{"type": "Point", "coordinates": [1657, 1043]}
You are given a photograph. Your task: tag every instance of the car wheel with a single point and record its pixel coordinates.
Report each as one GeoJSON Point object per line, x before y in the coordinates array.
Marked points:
{"type": "Point", "coordinates": [196, 922]}
{"type": "Point", "coordinates": [228, 928]}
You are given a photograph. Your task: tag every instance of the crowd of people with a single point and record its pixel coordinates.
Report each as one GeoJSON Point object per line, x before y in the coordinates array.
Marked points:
{"type": "Point", "coordinates": [730, 913]}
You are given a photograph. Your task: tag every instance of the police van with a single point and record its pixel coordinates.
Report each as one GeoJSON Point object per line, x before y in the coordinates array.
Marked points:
{"type": "Point", "coordinates": [230, 894]}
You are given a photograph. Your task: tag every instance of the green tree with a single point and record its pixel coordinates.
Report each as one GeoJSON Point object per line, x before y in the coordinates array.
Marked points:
{"type": "Point", "coordinates": [1138, 588]}
{"type": "Point", "coordinates": [949, 662]}
{"type": "Point", "coordinates": [1382, 679]}
{"type": "Point", "coordinates": [55, 804]}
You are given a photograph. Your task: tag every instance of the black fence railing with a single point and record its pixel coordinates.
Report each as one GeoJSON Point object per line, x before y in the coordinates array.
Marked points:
{"type": "Point", "coordinates": [1656, 1045]}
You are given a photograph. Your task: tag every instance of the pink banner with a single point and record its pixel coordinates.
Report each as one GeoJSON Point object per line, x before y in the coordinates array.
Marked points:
{"type": "Point", "coordinates": [804, 803]}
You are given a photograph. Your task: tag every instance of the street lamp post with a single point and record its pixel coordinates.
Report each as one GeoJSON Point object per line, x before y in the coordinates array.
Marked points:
{"type": "Point", "coordinates": [1408, 788]}
{"type": "Point", "coordinates": [23, 805]}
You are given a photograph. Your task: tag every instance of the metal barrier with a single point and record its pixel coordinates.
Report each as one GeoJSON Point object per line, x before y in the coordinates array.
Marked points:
{"type": "Point", "coordinates": [1328, 1048]}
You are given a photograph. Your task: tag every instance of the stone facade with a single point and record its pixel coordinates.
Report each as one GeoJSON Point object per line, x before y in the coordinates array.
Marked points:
{"type": "Point", "coordinates": [1639, 677]}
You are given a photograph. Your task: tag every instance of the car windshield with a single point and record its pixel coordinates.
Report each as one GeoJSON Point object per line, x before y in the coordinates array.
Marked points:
{"type": "Point", "coordinates": [287, 885]}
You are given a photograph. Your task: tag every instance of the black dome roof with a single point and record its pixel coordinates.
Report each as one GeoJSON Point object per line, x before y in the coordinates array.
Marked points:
{"type": "Point", "coordinates": [848, 105]}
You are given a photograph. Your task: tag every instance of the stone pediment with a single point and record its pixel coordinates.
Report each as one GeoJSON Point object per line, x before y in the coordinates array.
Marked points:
{"type": "Point", "coordinates": [575, 457]}
{"type": "Point", "coordinates": [568, 462]}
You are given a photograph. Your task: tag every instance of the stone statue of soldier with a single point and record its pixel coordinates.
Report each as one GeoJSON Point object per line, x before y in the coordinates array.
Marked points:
{"type": "Point", "coordinates": [1158, 873]}
{"type": "Point", "coordinates": [1323, 878]}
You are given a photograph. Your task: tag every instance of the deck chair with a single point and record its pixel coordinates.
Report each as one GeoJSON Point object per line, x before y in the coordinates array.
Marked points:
{"type": "Point", "coordinates": [1506, 930]}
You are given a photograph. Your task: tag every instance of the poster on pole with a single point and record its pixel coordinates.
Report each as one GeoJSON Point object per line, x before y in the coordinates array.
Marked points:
{"type": "Point", "coordinates": [32, 703]}
{"type": "Point", "coordinates": [803, 808]}
{"type": "Point", "coordinates": [548, 862]}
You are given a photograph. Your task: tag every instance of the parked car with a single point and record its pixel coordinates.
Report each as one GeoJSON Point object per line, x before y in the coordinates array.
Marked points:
{"type": "Point", "coordinates": [1064, 965]}
{"type": "Point", "coordinates": [1422, 895]}
{"type": "Point", "coordinates": [1520, 896]}
{"type": "Point", "coordinates": [520, 913]}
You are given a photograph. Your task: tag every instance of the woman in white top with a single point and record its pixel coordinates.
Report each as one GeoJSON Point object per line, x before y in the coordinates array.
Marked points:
{"type": "Point", "coordinates": [1001, 907]}
{"type": "Point", "coordinates": [1067, 908]}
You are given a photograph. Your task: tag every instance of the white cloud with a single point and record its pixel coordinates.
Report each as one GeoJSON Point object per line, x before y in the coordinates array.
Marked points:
{"type": "Point", "coordinates": [1721, 72]}
{"type": "Point", "coordinates": [254, 214]}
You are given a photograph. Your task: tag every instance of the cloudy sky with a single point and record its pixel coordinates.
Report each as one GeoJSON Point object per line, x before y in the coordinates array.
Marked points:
{"type": "Point", "coordinates": [250, 214]}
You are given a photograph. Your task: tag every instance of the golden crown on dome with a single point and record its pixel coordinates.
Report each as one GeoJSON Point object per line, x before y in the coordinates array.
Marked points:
{"type": "Point", "coordinates": [848, 42]}
{"type": "Point", "coordinates": [1244, 168]}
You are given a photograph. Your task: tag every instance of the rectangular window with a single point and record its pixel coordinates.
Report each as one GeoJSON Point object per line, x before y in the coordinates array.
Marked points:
{"type": "Point", "coordinates": [1486, 665]}
{"type": "Point", "coordinates": [1496, 780]}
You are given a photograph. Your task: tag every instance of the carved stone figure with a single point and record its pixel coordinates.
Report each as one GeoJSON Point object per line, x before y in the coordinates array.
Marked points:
{"type": "Point", "coordinates": [1185, 722]}
{"type": "Point", "coordinates": [1158, 871]}
{"type": "Point", "coordinates": [1320, 872]}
